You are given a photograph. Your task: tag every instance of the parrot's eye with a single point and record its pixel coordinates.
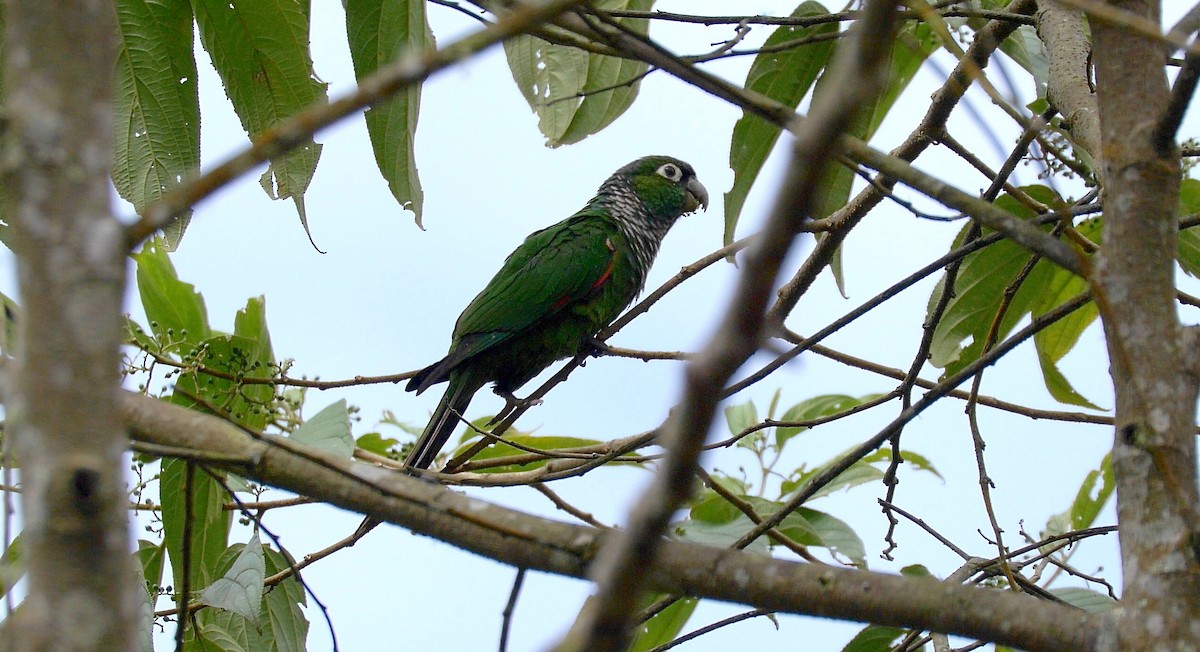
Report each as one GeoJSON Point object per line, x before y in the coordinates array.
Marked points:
{"type": "Point", "coordinates": [670, 172]}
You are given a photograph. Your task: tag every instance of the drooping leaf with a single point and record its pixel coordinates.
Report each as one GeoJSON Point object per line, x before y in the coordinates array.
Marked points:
{"type": "Point", "coordinates": [285, 619]}
{"type": "Point", "coordinates": [1056, 340]}
{"type": "Point", "coordinates": [175, 310]}
{"type": "Point", "coordinates": [711, 507]}
{"type": "Point", "coordinates": [786, 77]}
{"type": "Point", "coordinates": [612, 82]}
{"type": "Point", "coordinates": [379, 33]}
{"type": "Point", "coordinates": [156, 135]}
{"type": "Point", "coordinates": [874, 638]}
{"type": "Point", "coordinates": [550, 77]}
{"type": "Point", "coordinates": [328, 430]}
{"type": "Point", "coordinates": [150, 557]}
{"type": "Point", "coordinates": [240, 589]}
{"type": "Point", "coordinates": [832, 533]}
{"type": "Point", "coordinates": [575, 93]}
{"type": "Point", "coordinates": [209, 526]}
{"type": "Point", "coordinates": [914, 43]}
{"type": "Point", "coordinates": [260, 50]}
{"type": "Point", "coordinates": [664, 626]}
{"type": "Point", "coordinates": [983, 280]}
{"type": "Point", "coordinates": [979, 288]}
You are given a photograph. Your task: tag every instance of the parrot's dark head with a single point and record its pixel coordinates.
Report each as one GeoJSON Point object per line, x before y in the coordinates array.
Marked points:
{"type": "Point", "coordinates": [666, 186]}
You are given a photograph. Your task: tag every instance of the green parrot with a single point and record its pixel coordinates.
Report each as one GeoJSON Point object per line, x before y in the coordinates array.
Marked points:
{"type": "Point", "coordinates": [557, 290]}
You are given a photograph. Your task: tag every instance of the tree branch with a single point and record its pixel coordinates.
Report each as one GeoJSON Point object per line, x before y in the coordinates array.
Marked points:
{"type": "Point", "coordinates": [526, 541]}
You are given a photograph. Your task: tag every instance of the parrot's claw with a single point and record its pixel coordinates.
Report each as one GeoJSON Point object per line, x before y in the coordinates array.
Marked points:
{"type": "Point", "coordinates": [511, 402]}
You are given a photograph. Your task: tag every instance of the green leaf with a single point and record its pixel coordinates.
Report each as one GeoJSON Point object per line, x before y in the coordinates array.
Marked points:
{"type": "Point", "coordinates": [814, 408]}
{"type": "Point", "coordinates": [720, 535]}
{"type": "Point", "coordinates": [541, 443]}
{"type": "Point", "coordinates": [612, 83]}
{"type": "Point", "coordinates": [231, 356]}
{"type": "Point", "coordinates": [12, 565]}
{"type": "Point", "coordinates": [285, 619]}
{"type": "Point", "coordinates": [175, 310]}
{"type": "Point", "coordinates": [209, 527]}
{"type": "Point", "coordinates": [8, 325]}
{"type": "Point", "coordinates": [283, 630]}
{"type": "Point", "coordinates": [379, 33]}
{"type": "Point", "coordinates": [150, 556]}
{"type": "Point", "coordinates": [1094, 493]}
{"type": "Point", "coordinates": [1188, 247]}
{"type": "Point", "coordinates": [786, 77]}
{"type": "Point", "coordinates": [376, 443]}
{"type": "Point", "coordinates": [251, 323]}
{"type": "Point", "coordinates": [979, 288]}
{"type": "Point", "coordinates": [156, 135]}
{"type": "Point", "coordinates": [874, 638]}
{"type": "Point", "coordinates": [1056, 340]}
{"type": "Point", "coordinates": [711, 507]}
{"type": "Point", "coordinates": [240, 589]}
{"type": "Point", "coordinates": [914, 43]}
{"type": "Point", "coordinates": [664, 626]}
{"type": "Point", "coordinates": [552, 79]}
{"type": "Point", "coordinates": [260, 51]}
{"type": "Point", "coordinates": [819, 528]}
{"type": "Point", "coordinates": [1027, 50]}
{"type": "Point", "coordinates": [740, 417]}
{"type": "Point", "coordinates": [328, 430]}
{"type": "Point", "coordinates": [1085, 599]}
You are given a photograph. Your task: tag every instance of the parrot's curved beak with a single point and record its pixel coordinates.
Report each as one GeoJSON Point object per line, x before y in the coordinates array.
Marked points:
{"type": "Point", "coordinates": [697, 196]}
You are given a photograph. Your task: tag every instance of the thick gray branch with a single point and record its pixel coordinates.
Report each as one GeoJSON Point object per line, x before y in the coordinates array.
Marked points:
{"type": "Point", "coordinates": [536, 543]}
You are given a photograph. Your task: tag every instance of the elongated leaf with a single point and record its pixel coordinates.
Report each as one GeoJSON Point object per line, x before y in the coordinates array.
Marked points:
{"type": "Point", "coordinates": [9, 314]}
{"type": "Point", "coordinates": [328, 430]}
{"type": "Point", "coordinates": [914, 43]}
{"type": "Point", "coordinates": [612, 82]}
{"type": "Point", "coordinates": [175, 310]}
{"type": "Point", "coordinates": [664, 626]}
{"type": "Point", "coordinates": [536, 442]}
{"type": "Point", "coordinates": [287, 626]}
{"type": "Point", "coordinates": [208, 529]}
{"type": "Point", "coordinates": [260, 50]}
{"type": "Point", "coordinates": [250, 323]}
{"type": "Point", "coordinates": [240, 589]}
{"type": "Point", "coordinates": [979, 289]}
{"type": "Point", "coordinates": [379, 32]}
{"type": "Point", "coordinates": [786, 77]}
{"type": "Point", "coordinates": [550, 78]}
{"type": "Point", "coordinates": [150, 558]}
{"type": "Point", "coordinates": [156, 135]}
{"type": "Point", "coordinates": [1056, 340]}
{"type": "Point", "coordinates": [12, 565]}
{"type": "Point", "coordinates": [574, 93]}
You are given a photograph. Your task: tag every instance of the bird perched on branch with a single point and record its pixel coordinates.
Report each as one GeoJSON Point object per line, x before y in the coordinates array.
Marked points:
{"type": "Point", "coordinates": [557, 290]}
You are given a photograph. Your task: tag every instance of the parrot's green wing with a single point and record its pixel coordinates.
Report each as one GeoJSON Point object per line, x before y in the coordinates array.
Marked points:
{"type": "Point", "coordinates": [553, 269]}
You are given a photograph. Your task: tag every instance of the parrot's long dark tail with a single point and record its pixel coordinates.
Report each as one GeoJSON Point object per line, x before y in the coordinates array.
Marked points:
{"type": "Point", "coordinates": [441, 425]}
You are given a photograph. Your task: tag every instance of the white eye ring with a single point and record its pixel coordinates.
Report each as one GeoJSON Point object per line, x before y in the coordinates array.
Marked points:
{"type": "Point", "coordinates": [670, 171]}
